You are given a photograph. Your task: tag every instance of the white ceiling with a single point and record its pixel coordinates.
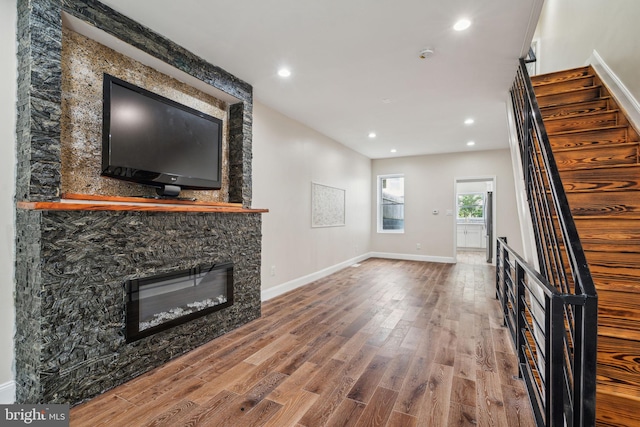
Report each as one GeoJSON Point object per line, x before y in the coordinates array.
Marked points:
{"type": "Point", "coordinates": [348, 56]}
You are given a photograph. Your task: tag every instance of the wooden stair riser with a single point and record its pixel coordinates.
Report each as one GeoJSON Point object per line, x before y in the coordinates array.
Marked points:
{"type": "Point", "coordinates": [614, 154]}
{"type": "Point", "coordinates": [609, 234]}
{"type": "Point", "coordinates": [619, 309]}
{"type": "Point", "coordinates": [609, 203]}
{"type": "Point", "coordinates": [560, 76]}
{"type": "Point", "coordinates": [615, 410]}
{"type": "Point", "coordinates": [614, 271]}
{"type": "Point", "coordinates": [564, 86]}
{"type": "Point", "coordinates": [575, 109]}
{"type": "Point", "coordinates": [587, 121]}
{"type": "Point", "coordinates": [588, 138]}
{"type": "Point", "coordinates": [602, 179]}
{"type": "Point", "coordinates": [577, 95]}
{"type": "Point", "coordinates": [617, 365]}
{"type": "Point", "coordinates": [617, 285]}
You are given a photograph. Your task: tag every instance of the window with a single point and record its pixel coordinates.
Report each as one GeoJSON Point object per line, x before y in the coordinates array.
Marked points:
{"type": "Point", "coordinates": [471, 207]}
{"type": "Point", "coordinates": [391, 204]}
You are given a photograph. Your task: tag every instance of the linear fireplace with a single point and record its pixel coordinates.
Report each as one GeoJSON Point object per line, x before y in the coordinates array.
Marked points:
{"type": "Point", "coordinates": [162, 301]}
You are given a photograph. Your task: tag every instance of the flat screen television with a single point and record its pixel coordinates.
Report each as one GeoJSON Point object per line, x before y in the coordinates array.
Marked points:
{"type": "Point", "coordinates": [152, 140]}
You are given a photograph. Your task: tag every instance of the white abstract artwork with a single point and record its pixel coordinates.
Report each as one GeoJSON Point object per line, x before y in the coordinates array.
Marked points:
{"type": "Point", "coordinates": [327, 206]}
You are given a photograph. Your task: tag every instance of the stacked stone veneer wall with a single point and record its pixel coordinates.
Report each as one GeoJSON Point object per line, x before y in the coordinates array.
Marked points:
{"type": "Point", "coordinates": [71, 265]}
{"type": "Point", "coordinates": [71, 312]}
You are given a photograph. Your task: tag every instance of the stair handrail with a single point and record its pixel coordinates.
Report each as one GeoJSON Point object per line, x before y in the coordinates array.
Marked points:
{"type": "Point", "coordinates": [540, 345]}
{"type": "Point", "coordinates": [578, 260]}
{"type": "Point", "coordinates": [569, 369]}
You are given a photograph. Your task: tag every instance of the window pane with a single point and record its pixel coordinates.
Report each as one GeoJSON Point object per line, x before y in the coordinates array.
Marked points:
{"type": "Point", "coordinates": [471, 205]}
{"type": "Point", "coordinates": [392, 203]}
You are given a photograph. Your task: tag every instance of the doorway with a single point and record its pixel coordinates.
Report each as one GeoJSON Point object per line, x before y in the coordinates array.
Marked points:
{"type": "Point", "coordinates": [475, 219]}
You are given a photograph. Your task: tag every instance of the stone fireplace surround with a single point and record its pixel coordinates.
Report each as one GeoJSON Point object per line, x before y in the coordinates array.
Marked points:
{"type": "Point", "coordinates": [71, 264]}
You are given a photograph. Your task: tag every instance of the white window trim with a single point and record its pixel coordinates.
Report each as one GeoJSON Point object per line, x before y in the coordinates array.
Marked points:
{"type": "Point", "coordinates": [379, 203]}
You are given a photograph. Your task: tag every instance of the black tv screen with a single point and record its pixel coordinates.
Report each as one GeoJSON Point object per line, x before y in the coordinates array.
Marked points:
{"type": "Point", "coordinates": [153, 140]}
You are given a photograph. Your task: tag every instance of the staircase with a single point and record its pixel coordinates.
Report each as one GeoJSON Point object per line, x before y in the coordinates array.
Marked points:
{"type": "Point", "coordinates": [596, 151]}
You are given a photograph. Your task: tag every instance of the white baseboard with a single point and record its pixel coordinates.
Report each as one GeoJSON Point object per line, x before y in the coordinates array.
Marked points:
{"type": "Point", "coordinates": [275, 291]}
{"type": "Point", "coordinates": [412, 257]}
{"type": "Point", "coordinates": [623, 96]}
{"type": "Point", "coordinates": [8, 393]}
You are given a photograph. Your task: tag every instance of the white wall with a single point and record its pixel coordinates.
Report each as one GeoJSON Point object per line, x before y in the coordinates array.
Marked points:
{"type": "Point", "coordinates": [569, 30]}
{"type": "Point", "coordinates": [287, 157]}
{"type": "Point", "coordinates": [8, 68]}
{"type": "Point", "coordinates": [473, 187]}
{"type": "Point", "coordinates": [430, 185]}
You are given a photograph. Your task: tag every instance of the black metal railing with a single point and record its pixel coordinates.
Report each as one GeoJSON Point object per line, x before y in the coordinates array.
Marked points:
{"type": "Point", "coordinates": [551, 312]}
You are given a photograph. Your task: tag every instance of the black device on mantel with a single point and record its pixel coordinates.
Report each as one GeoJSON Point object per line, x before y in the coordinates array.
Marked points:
{"type": "Point", "coordinates": [152, 140]}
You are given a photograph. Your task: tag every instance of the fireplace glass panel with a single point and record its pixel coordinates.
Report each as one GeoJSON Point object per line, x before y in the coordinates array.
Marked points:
{"type": "Point", "coordinates": [159, 302]}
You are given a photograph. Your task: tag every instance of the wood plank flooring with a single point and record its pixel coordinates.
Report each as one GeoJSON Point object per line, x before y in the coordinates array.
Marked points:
{"type": "Point", "coordinates": [385, 343]}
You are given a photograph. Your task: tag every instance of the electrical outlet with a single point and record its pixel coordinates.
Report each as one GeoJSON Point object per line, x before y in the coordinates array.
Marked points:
{"type": "Point", "coordinates": [418, 246]}
{"type": "Point", "coordinates": [273, 270]}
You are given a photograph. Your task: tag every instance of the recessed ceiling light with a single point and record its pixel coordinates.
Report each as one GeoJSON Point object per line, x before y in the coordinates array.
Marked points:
{"type": "Point", "coordinates": [462, 25]}
{"type": "Point", "coordinates": [284, 72]}
{"type": "Point", "coordinates": [372, 134]}
{"type": "Point", "coordinates": [469, 122]}
{"type": "Point", "coordinates": [471, 143]}
{"type": "Point", "coordinates": [393, 150]}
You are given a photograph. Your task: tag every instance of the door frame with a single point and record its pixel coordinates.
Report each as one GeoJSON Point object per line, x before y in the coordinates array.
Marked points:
{"type": "Point", "coordinates": [475, 178]}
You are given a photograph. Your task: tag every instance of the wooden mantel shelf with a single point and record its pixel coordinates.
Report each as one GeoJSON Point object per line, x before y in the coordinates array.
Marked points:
{"type": "Point", "coordinates": [87, 202]}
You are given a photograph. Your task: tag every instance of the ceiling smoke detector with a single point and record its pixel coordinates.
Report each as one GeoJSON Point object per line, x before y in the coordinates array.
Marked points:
{"type": "Point", "coordinates": [426, 53]}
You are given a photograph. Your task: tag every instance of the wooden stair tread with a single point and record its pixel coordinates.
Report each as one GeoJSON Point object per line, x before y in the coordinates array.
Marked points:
{"type": "Point", "coordinates": [590, 130]}
{"type": "Point", "coordinates": [615, 409]}
{"type": "Point", "coordinates": [559, 75]}
{"type": "Point", "coordinates": [607, 154]}
{"type": "Point", "coordinates": [622, 385]}
{"type": "Point", "coordinates": [613, 326]}
{"type": "Point", "coordinates": [619, 203]}
{"type": "Point", "coordinates": [564, 85]}
{"type": "Point", "coordinates": [538, 84]}
{"type": "Point", "coordinates": [619, 309]}
{"type": "Point", "coordinates": [576, 108]}
{"type": "Point", "coordinates": [569, 96]}
{"type": "Point", "coordinates": [619, 333]}
{"type": "Point", "coordinates": [612, 257]}
{"type": "Point", "coordinates": [597, 120]}
{"type": "Point", "coordinates": [613, 303]}
{"type": "Point", "coordinates": [629, 215]}
{"type": "Point", "coordinates": [613, 391]}
{"type": "Point", "coordinates": [602, 245]}
{"type": "Point", "coordinates": [607, 228]}
{"type": "Point", "coordinates": [608, 283]}
{"type": "Point", "coordinates": [614, 355]}
{"type": "Point", "coordinates": [605, 135]}
{"type": "Point", "coordinates": [586, 114]}
{"type": "Point", "coordinates": [569, 92]}
{"type": "Point", "coordinates": [615, 270]}
{"type": "Point", "coordinates": [595, 147]}
{"type": "Point", "coordinates": [597, 235]}
{"type": "Point", "coordinates": [602, 178]}
{"type": "Point", "coordinates": [606, 168]}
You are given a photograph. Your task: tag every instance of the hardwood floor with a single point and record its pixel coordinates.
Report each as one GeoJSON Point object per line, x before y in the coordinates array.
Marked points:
{"type": "Point", "coordinates": [385, 343]}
